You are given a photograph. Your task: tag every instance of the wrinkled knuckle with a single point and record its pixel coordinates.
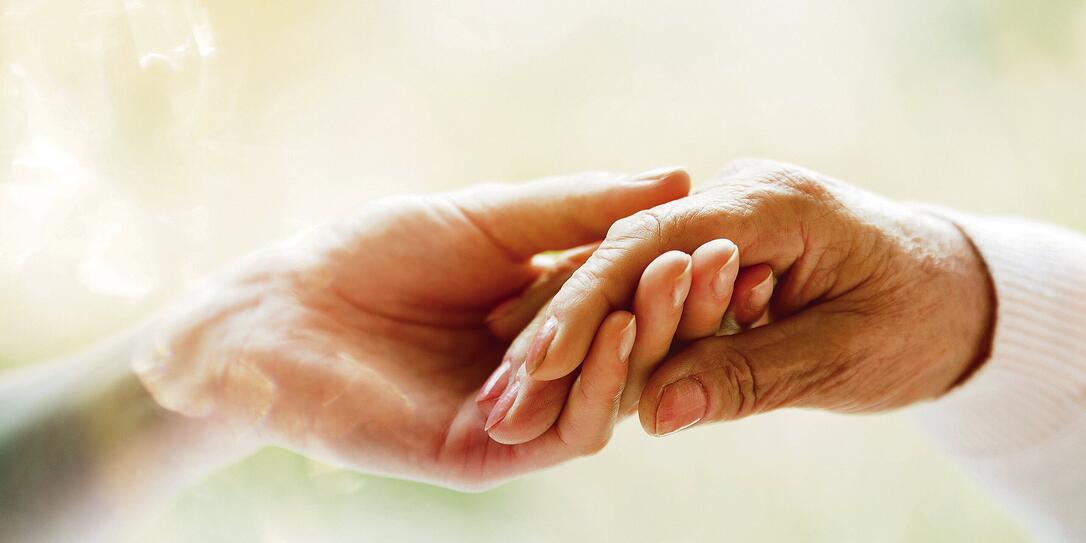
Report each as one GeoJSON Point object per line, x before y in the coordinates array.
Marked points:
{"type": "Point", "coordinates": [797, 183]}
{"type": "Point", "coordinates": [734, 381]}
{"type": "Point", "coordinates": [582, 286]}
{"type": "Point", "coordinates": [643, 225]}
{"type": "Point", "coordinates": [684, 222]}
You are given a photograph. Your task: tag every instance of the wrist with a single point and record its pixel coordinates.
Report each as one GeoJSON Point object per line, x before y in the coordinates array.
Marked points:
{"type": "Point", "coordinates": [88, 448]}
{"type": "Point", "coordinates": [971, 306]}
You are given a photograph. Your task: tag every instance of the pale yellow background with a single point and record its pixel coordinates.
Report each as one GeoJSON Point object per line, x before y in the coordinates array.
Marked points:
{"type": "Point", "coordinates": [145, 143]}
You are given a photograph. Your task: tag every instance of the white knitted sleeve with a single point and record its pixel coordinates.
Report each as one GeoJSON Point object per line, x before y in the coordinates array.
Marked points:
{"type": "Point", "coordinates": [1019, 423]}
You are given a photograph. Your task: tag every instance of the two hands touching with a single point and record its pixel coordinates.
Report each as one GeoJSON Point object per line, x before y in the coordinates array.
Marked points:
{"type": "Point", "coordinates": [424, 338]}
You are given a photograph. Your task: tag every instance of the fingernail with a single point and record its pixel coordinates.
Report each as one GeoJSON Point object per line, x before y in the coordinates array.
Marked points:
{"type": "Point", "coordinates": [682, 405]}
{"type": "Point", "coordinates": [542, 340]}
{"type": "Point", "coordinates": [495, 384]}
{"type": "Point", "coordinates": [725, 276]}
{"type": "Point", "coordinates": [682, 286]}
{"type": "Point", "coordinates": [502, 407]}
{"type": "Point", "coordinates": [760, 293]}
{"type": "Point", "coordinates": [625, 345]}
{"type": "Point", "coordinates": [655, 174]}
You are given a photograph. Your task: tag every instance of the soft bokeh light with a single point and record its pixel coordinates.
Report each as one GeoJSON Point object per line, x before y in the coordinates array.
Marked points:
{"type": "Point", "coordinates": [144, 144]}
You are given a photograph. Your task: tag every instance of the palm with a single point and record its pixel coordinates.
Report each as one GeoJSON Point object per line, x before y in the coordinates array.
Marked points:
{"type": "Point", "coordinates": [399, 310]}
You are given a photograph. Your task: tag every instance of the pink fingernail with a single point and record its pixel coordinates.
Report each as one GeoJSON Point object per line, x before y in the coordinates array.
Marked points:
{"type": "Point", "coordinates": [725, 277]}
{"type": "Point", "coordinates": [682, 405]}
{"type": "Point", "coordinates": [625, 345]}
{"type": "Point", "coordinates": [760, 294]}
{"type": "Point", "coordinates": [496, 384]}
{"type": "Point", "coordinates": [502, 407]}
{"type": "Point", "coordinates": [537, 352]}
{"type": "Point", "coordinates": [682, 285]}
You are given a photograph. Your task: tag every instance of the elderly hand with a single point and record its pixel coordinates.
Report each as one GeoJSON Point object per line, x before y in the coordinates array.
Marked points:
{"type": "Point", "coordinates": [879, 304]}
{"type": "Point", "coordinates": [364, 340]}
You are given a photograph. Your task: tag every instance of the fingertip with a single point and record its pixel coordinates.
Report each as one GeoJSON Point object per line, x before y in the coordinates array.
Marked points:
{"type": "Point", "coordinates": [664, 284]}
{"type": "Point", "coordinates": [672, 264]}
{"type": "Point", "coordinates": [676, 184]}
{"type": "Point", "coordinates": [627, 336]}
{"type": "Point", "coordinates": [538, 350]}
{"type": "Point", "coordinates": [715, 265]}
{"type": "Point", "coordinates": [671, 180]}
{"type": "Point", "coordinates": [683, 280]}
{"type": "Point", "coordinates": [615, 340]}
{"type": "Point", "coordinates": [721, 249]}
{"type": "Point", "coordinates": [753, 291]}
{"type": "Point", "coordinates": [495, 384]}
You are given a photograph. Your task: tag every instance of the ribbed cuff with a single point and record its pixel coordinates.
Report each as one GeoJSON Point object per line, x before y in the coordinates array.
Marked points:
{"type": "Point", "coordinates": [1019, 423]}
{"type": "Point", "coordinates": [1034, 385]}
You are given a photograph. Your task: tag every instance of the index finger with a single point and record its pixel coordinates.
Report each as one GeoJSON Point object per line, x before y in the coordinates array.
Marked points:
{"type": "Point", "coordinates": [605, 283]}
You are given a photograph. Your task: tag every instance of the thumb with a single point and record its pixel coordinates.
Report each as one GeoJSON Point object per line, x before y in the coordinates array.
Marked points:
{"type": "Point", "coordinates": [565, 211]}
{"type": "Point", "coordinates": [783, 364]}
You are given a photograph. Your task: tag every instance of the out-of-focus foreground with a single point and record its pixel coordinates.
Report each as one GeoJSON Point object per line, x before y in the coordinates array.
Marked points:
{"type": "Point", "coordinates": [144, 144]}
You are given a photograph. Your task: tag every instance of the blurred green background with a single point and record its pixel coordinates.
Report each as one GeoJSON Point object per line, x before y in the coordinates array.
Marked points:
{"type": "Point", "coordinates": [147, 143]}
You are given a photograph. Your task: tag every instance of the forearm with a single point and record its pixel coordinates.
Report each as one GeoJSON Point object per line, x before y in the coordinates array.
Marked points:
{"type": "Point", "coordinates": [83, 447]}
{"type": "Point", "coordinates": [1019, 423]}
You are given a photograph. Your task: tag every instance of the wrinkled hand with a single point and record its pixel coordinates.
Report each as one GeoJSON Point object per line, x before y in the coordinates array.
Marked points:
{"type": "Point", "coordinates": [363, 340]}
{"type": "Point", "coordinates": [879, 304]}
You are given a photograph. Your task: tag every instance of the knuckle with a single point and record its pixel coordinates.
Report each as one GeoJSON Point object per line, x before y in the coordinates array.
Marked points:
{"type": "Point", "coordinates": [643, 225]}
{"type": "Point", "coordinates": [582, 286]}
{"type": "Point", "coordinates": [733, 381]}
{"type": "Point", "coordinates": [660, 227]}
{"type": "Point", "coordinates": [796, 184]}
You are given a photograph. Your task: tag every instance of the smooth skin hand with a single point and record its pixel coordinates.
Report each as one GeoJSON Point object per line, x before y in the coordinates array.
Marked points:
{"type": "Point", "coordinates": [364, 341]}
{"type": "Point", "coordinates": [879, 304]}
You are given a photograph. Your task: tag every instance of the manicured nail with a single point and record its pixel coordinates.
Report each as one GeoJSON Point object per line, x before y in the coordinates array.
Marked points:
{"type": "Point", "coordinates": [682, 405]}
{"type": "Point", "coordinates": [502, 407]}
{"type": "Point", "coordinates": [655, 174]}
{"type": "Point", "coordinates": [537, 352]}
{"type": "Point", "coordinates": [625, 344]}
{"type": "Point", "coordinates": [725, 276]}
{"type": "Point", "coordinates": [760, 293]}
{"type": "Point", "coordinates": [496, 384]}
{"type": "Point", "coordinates": [682, 285]}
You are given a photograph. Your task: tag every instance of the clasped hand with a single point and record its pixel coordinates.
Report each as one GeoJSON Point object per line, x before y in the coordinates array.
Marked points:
{"type": "Point", "coordinates": [422, 337]}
